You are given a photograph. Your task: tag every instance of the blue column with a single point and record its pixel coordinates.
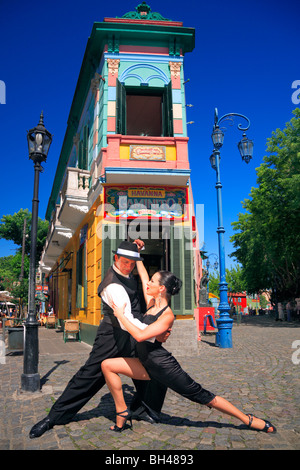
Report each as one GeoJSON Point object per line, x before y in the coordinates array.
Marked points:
{"type": "Point", "coordinates": [224, 323]}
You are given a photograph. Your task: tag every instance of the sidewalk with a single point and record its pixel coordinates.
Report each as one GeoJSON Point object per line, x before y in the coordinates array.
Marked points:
{"type": "Point", "coordinates": [260, 375]}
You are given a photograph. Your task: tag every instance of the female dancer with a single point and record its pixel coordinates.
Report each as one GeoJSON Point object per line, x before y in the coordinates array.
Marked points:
{"type": "Point", "coordinates": [155, 361]}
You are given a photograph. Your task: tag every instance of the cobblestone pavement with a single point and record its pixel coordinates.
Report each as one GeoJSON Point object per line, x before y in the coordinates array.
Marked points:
{"type": "Point", "coordinates": [260, 375]}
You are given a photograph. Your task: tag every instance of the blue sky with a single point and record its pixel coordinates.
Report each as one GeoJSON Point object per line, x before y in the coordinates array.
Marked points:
{"type": "Point", "coordinates": [245, 61]}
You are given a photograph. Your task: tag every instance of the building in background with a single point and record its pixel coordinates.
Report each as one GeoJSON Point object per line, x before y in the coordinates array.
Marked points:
{"type": "Point", "coordinates": [123, 170]}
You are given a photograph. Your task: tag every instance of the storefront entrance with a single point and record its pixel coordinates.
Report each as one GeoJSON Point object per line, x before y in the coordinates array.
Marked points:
{"type": "Point", "coordinates": [166, 250]}
{"type": "Point", "coordinates": [156, 255]}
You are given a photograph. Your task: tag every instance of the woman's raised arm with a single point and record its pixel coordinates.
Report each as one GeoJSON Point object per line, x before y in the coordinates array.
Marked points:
{"type": "Point", "coordinates": [144, 276]}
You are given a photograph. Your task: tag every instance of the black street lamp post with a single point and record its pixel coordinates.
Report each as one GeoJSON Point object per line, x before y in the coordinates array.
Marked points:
{"type": "Point", "coordinates": [39, 141]}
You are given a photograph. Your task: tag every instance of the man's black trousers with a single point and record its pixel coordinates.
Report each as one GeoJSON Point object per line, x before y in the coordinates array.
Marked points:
{"type": "Point", "coordinates": [109, 342]}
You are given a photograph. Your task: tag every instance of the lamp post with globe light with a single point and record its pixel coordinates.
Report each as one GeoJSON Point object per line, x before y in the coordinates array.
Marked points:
{"type": "Point", "coordinates": [245, 146]}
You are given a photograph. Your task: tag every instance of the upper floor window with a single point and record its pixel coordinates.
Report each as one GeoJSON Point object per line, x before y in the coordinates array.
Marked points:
{"type": "Point", "coordinates": [83, 150]}
{"type": "Point", "coordinates": [144, 111]}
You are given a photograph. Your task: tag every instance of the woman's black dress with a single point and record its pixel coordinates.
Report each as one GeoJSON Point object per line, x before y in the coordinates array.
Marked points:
{"type": "Point", "coordinates": [162, 366]}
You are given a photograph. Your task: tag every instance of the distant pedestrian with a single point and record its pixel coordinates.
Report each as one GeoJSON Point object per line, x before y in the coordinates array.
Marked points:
{"type": "Point", "coordinates": [298, 309]}
{"type": "Point", "coordinates": [280, 312]}
{"type": "Point", "coordinates": [50, 310]}
{"type": "Point", "coordinates": [288, 310]}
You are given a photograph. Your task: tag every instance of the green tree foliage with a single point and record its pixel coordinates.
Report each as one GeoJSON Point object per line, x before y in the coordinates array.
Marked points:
{"type": "Point", "coordinates": [267, 242]}
{"type": "Point", "coordinates": [10, 269]}
{"type": "Point", "coordinates": [11, 228]}
{"type": "Point", "coordinates": [5, 270]}
{"type": "Point", "coordinates": [234, 279]}
{"type": "Point", "coordinates": [214, 280]}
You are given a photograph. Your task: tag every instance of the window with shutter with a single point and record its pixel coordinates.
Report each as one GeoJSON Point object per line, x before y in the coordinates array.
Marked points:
{"type": "Point", "coordinates": [84, 275]}
{"type": "Point", "coordinates": [121, 108]}
{"type": "Point", "coordinates": [188, 279]}
{"type": "Point", "coordinates": [182, 267]}
{"type": "Point", "coordinates": [167, 110]}
{"type": "Point", "coordinates": [144, 110]}
{"type": "Point", "coordinates": [81, 282]}
{"type": "Point", "coordinates": [176, 268]}
{"type": "Point", "coordinates": [80, 154]}
{"type": "Point", "coordinates": [83, 150]}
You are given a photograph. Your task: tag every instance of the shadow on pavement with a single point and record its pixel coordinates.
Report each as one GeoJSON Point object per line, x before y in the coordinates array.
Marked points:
{"type": "Point", "coordinates": [106, 409]}
{"type": "Point", "coordinates": [44, 379]}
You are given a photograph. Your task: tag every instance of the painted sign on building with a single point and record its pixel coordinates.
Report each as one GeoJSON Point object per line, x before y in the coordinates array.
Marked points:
{"type": "Point", "coordinates": [146, 201]}
{"type": "Point", "coordinates": [147, 152]}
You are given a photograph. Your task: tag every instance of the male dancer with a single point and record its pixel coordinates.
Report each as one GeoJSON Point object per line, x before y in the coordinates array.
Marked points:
{"type": "Point", "coordinates": [111, 341]}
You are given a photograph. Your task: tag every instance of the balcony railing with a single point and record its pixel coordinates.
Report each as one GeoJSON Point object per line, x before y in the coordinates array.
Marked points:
{"type": "Point", "coordinates": [76, 183]}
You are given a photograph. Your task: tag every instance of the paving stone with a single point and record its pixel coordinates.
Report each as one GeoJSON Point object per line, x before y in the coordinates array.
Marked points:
{"type": "Point", "coordinates": [254, 375]}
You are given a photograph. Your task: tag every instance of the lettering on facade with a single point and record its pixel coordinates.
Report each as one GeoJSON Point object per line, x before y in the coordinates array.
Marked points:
{"type": "Point", "coordinates": [156, 193]}
{"type": "Point", "coordinates": [146, 152]}
{"type": "Point", "coordinates": [128, 202]}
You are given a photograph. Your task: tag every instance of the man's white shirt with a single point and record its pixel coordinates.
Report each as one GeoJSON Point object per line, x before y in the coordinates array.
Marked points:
{"type": "Point", "coordinates": [115, 293]}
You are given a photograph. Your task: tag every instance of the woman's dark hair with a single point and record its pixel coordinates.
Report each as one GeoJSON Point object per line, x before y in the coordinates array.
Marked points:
{"type": "Point", "coordinates": [170, 281]}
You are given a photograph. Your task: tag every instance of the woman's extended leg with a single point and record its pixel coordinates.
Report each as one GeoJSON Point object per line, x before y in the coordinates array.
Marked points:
{"type": "Point", "coordinates": [221, 404]}
{"type": "Point", "coordinates": [131, 367]}
{"type": "Point", "coordinates": [176, 379]}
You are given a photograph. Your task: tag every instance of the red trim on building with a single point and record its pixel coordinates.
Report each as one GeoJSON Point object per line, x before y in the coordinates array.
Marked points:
{"type": "Point", "coordinates": [129, 20]}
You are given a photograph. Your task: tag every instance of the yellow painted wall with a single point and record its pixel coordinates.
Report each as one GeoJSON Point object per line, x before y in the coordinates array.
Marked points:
{"type": "Point", "coordinates": [93, 279]}
{"type": "Point", "coordinates": [91, 313]}
{"type": "Point", "coordinates": [98, 257]}
{"type": "Point", "coordinates": [63, 295]}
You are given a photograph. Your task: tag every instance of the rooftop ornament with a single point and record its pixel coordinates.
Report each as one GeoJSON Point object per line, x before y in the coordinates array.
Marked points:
{"type": "Point", "coordinates": [144, 12]}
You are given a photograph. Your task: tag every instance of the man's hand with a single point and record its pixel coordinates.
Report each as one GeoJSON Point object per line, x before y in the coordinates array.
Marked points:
{"type": "Point", "coordinates": [139, 243]}
{"type": "Point", "coordinates": [164, 336]}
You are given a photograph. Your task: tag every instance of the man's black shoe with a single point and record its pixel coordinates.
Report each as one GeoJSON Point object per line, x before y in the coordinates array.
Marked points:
{"type": "Point", "coordinates": [144, 417]}
{"type": "Point", "coordinates": [40, 428]}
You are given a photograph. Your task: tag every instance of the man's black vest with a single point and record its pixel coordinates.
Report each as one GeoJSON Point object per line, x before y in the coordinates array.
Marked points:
{"type": "Point", "coordinates": [130, 285]}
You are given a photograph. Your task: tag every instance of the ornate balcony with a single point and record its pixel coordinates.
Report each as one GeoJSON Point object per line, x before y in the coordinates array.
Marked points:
{"type": "Point", "coordinates": [57, 238]}
{"type": "Point", "coordinates": [74, 198]}
{"type": "Point", "coordinates": [67, 216]}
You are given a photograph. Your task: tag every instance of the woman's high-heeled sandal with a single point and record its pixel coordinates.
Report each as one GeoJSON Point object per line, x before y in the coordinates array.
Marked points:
{"type": "Point", "coordinates": [127, 417]}
{"type": "Point", "coordinates": [268, 425]}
